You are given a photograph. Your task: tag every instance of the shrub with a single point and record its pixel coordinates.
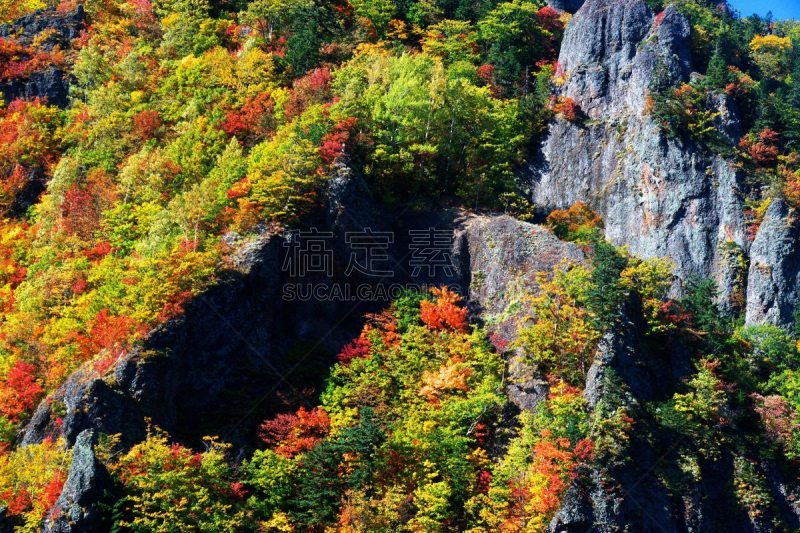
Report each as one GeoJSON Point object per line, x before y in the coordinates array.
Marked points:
{"type": "Point", "coordinates": [578, 223]}
{"type": "Point", "coordinates": [167, 487]}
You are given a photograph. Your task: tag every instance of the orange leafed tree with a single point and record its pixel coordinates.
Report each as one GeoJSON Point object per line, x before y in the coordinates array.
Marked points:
{"type": "Point", "coordinates": [445, 312]}
{"type": "Point", "coordinates": [569, 223]}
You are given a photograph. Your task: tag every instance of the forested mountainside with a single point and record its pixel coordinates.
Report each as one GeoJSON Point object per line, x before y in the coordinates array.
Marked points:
{"type": "Point", "coordinates": [601, 335]}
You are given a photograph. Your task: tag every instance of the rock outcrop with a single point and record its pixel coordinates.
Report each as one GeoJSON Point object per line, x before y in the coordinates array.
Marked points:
{"type": "Point", "coordinates": [659, 196]}
{"type": "Point", "coordinates": [500, 258]}
{"type": "Point", "coordinates": [638, 492]}
{"type": "Point", "coordinates": [87, 484]}
{"type": "Point", "coordinates": [50, 29]}
{"type": "Point", "coordinates": [65, 26]}
{"type": "Point", "coordinates": [774, 275]}
{"type": "Point", "coordinates": [222, 366]}
{"type": "Point", "coordinates": [232, 357]}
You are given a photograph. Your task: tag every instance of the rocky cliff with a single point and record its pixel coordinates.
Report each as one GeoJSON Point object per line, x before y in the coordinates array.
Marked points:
{"type": "Point", "coordinates": [659, 196]}
{"type": "Point", "coordinates": [240, 350]}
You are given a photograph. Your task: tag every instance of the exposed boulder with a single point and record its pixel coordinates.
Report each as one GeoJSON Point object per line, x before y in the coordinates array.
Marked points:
{"type": "Point", "coordinates": [87, 484]}
{"type": "Point", "coordinates": [500, 258]}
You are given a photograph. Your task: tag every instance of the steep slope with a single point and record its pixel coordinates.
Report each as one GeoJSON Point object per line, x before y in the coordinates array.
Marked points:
{"type": "Point", "coordinates": [199, 374]}
{"type": "Point", "coordinates": [608, 406]}
{"type": "Point", "coordinates": [659, 196]}
{"type": "Point", "coordinates": [193, 374]}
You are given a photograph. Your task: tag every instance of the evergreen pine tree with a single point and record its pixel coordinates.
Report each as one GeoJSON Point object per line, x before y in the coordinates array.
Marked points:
{"type": "Point", "coordinates": [717, 75]}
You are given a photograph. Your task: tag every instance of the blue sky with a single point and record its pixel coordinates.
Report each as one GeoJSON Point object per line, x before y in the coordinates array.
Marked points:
{"type": "Point", "coordinates": [780, 8]}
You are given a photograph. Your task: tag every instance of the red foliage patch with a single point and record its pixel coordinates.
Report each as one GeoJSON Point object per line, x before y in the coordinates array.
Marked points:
{"type": "Point", "coordinates": [146, 124]}
{"type": "Point", "coordinates": [253, 121]}
{"type": "Point", "coordinates": [20, 391]}
{"type": "Point", "coordinates": [334, 143]}
{"type": "Point", "coordinates": [567, 108]}
{"type": "Point", "coordinates": [53, 490]}
{"type": "Point", "coordinates": [671, 312]}
{"type": "Point", "coordinates": [777, 415]}
{"type": "Point", "coordinates": [313, 88]}
{"type": "Point", "coordinates": [486, 75]}
{"type": "Point", "coordinates": [445, 313]}
{"type": "Point", "coordinates": [108, 332]}
{"type": "Point", "coordinates": [20, 62]}
{"type": "Point", "coordinates": [484, 481]}
{"type": "Point", "coordinates": [293, 433]}
{"type": "Point", "coordinates": [99, 251]}
{"type": "Point", "coordinates": [82, 204]}
{"type": "Point", "coordinates": [358, 349]}
{"type": "Point", "coordinates": [550, 19]}
{"type": "Point", "coordinates": [566, 222]}
{"type": "Point", "coordinates": [791, 189]}
{"type": "Point", "coordinates": [763, 150]}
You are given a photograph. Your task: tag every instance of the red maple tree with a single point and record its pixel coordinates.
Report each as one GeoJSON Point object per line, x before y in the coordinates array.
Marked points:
{"type": "Point", "coordinates": [293, 433]}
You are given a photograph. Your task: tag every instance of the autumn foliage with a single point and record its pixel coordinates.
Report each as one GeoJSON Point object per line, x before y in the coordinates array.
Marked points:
{"type": "Point", "coordinates": [19, 62]}
{"type": "Point", "coordinates": [356, 349]}
{"type": "Point", "coordinates": [20, 391]}
{"type": "Point", "coordinates": [29, 143]}
{"type": "Point", "coordinates": [762, 149]}
{"type": "Point", "coordinates": [573, 223]}
{"type": "Point", "coordinates": [444, 313]}
{"type": "Point", "coordinates": [294, 433]}
{"type": "Point", "coordinates": [253, 121]}
{"type": "Point", "coordinates": [567, 108]}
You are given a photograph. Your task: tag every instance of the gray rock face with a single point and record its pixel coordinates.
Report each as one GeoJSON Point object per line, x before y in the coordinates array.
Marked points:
{"type": "Point", "coordinates": [51, 83]}
{"type": "Point", "coordinates": [774, 276]}
{"type": "Point", "coordinates": [75, 510]}
{"type": "Point", "coordinates": [660, 197]}
{"type": "Point", "coordinates": [67, 27]}
{"type": "Point", "coordinates": [500, 258]}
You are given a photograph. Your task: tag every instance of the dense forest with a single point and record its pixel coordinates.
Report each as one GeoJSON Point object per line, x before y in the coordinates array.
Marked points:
{"type": "Point", "coordinates": [193, 127]}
